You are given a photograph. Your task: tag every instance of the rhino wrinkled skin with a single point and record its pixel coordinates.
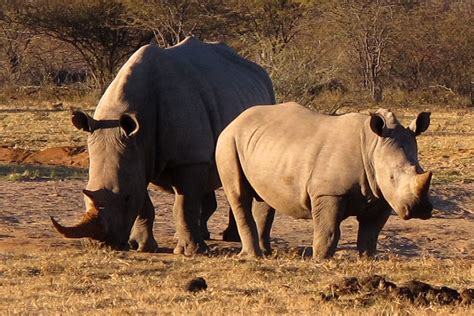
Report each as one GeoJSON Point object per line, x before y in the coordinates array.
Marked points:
{"type": "Point", "coordinates": [158, 122]}
{"type": "Point", "coordinates": [323, 167]}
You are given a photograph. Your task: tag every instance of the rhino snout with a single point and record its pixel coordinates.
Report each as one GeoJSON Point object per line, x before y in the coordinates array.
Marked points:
{"type": "Point", "coordinates": [423, 212]}
{"type": "Point", "coordinates": [420, 211]}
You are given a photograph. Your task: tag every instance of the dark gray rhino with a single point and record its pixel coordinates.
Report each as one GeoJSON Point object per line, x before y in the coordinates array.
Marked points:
{"type": "Point", "coordinates": [158, 122]}
{"type": "Point", "coordinates": [327, 168]}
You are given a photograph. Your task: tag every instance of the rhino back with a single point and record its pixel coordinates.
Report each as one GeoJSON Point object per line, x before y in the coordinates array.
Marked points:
{"type": "Point", "coordinates": [291, 155]}
{"type": "Point", "coordinates": [184, 96]}
{"type": "Point", "coordinates": [228, 82]}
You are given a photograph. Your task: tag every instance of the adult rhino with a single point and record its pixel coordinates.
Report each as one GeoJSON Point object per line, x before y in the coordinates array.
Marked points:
{"type": "Point", "coordinates": [158, 122]}
{"type": "Point", "coordinates": [327, 168]}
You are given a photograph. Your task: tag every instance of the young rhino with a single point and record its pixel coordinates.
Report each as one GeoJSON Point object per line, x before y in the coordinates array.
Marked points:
{"type": "Point", "coordinates": [327, 168]}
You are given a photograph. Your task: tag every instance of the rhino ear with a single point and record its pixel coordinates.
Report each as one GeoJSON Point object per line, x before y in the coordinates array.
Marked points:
{"type": "Point", "coordinates": [421, 123]}
{"type": "Point", "coordinates": [377, 123]}
{"type": "Point", "coordinates": [83, 121]}
{"type": "Point", "coordinates": [129, 123]}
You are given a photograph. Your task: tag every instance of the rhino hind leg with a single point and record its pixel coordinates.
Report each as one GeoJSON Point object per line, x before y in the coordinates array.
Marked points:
{"type": "Point", "coordinates": [141, 236]}
{"type": "Point", "coordinates": [208, 207]}
{"type": "Point", "coordinates": [264, 215]}
{"type": "Point", "coordinates": [327, 216]}
{"type": "Point", "coordinates": [247, 228]}
{"type": "Point", "coordinates": [240, 196]}
{"type": "Point", "coordinates": [231, 233]}
{"type": "Point", "coordinates": [369, 230]}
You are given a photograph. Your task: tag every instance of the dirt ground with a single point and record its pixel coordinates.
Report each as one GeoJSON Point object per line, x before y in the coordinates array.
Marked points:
{"type": "Point", "coordinates": [25, 226]}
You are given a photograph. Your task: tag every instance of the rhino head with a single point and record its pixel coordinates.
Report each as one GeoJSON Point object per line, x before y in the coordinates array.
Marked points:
{"type": "Point", "coordinates": [117, 186]}
{"type": "Point", "coordinates": [398, 174]}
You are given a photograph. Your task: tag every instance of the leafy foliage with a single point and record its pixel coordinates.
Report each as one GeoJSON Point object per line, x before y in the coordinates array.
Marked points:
{"type": "Point", "coordinates": [368, 47]}
{"type": "Point", "coordinates": [98, 30]}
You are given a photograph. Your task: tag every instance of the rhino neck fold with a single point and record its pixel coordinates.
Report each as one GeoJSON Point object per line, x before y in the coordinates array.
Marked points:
{"type": "Point", "coordinates": [370, 189]}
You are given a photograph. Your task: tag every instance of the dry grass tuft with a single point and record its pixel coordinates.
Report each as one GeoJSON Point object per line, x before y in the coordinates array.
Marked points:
{"type": "Point", "coordinates": [96, 281]}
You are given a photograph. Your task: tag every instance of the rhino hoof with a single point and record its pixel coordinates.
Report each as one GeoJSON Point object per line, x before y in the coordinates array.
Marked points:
{"type": "Point", "coordinates": [250, 254]}
{"type": "Point", "coordinates": [178, 250]}
{"type": "Point", "coordinates": [150, 247]}
{"type": "Point", "coordinates": [191, 249]}
{"type": "Point", "coordinates": [133, 244]}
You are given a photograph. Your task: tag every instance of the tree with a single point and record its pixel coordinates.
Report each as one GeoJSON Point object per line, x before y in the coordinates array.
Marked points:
{"type": "Point", "coordinates": [269, 26]}
{"type": "Point", "coordinates": [98, 30]}
{"type": "Point", "coordinates": [367, 27]}
{"type": "Point", "coordinates": [14, 41]}
{"type": "Point", "coordinates": [172, 20]}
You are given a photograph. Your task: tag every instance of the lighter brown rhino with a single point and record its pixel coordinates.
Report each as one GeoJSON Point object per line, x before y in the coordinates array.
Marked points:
{"type": "Point", "coordinates": [323, 167]}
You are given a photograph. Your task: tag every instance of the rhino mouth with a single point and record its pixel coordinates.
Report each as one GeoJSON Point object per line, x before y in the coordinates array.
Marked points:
{"type": "Point", "coordinates": [423, 211]}
{"type": "Point", "coordinates": [420, 216]}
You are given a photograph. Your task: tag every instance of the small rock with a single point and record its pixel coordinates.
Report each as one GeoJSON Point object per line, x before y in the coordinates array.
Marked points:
{"type": "Point", "coordinates": [196, 285]}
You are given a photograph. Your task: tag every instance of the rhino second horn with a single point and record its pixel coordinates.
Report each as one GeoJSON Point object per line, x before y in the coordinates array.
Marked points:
{"type": "Point", "coordinates": [423, 183]}
{"type": "Point", "coordinates": [90, 227]}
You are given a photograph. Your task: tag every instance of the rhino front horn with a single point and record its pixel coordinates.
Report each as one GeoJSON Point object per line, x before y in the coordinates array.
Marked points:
{"type": "Point", "coordinates": [423, 182]}
{"type": "Point", "coordinates": [90, 227]}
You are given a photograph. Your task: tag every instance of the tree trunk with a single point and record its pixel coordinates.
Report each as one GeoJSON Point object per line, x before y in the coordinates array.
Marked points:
{"type": "Point", "coordinates": [377, 93]}
{"type": "Point", "coordinates": [471, 91]}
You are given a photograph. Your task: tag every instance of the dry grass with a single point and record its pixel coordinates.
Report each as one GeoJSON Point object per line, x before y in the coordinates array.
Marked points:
{"type": "Point", "coordinates": [36, 129]}
{"type": "Point", "coordinates": [448, 147]}
{"type": "Point", "coordinates": [37, 172]}
{"type": "Point", "coordinates": [91, 281]}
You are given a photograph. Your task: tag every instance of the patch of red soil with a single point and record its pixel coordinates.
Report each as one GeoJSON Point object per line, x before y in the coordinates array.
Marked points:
{"type": "Point", "coordinates": [63, 156]}
{"type": "Point", "coordinates": [13, 155]}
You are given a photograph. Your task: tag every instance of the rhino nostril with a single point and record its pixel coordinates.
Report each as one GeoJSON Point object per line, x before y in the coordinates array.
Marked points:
{"type": "Point", "coordinates": [404, 214]}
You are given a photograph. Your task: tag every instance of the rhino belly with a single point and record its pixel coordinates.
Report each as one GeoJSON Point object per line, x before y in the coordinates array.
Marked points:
{"type": "Point", "coordinates": [286, 200]}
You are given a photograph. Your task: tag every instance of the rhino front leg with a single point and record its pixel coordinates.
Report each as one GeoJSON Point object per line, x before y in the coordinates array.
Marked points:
{"type": "Point", "coordinates": [369, 230]}
{"type": "Point", "coordinates": [264, 215]}
{"type": "Point", "coordinates": [327, 216]}
{"type": "Point", "coordinates": [141, 236]}
{"type": "Point", "coordinates": [188, 184]}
